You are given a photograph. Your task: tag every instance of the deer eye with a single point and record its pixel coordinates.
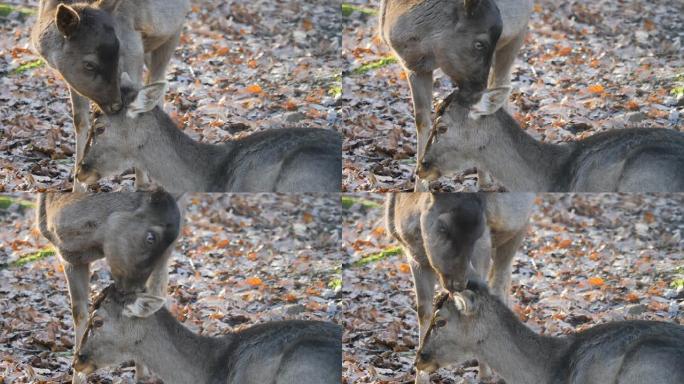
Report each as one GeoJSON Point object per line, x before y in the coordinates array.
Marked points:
{"type": "Point", "coordinates": [439, 323]}
{"type": "Point", "coordinates": [480, 46]}
{"type": "Point", "coordinates": [89, 66]}
{"type": "Point", "coordinates": [99, 129]}
{"type": "Point", "coordinates": [150, 238]}
{"type": "Point", "coordinates": [97, 322]}
{"type": "Point", "coordinates": [441, 128]}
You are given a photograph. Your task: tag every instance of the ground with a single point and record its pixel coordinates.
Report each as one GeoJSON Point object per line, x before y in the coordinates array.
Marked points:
{"type": "Point", "coordinates": [586, 259]}
{"type": "Point", "coordinates": [240, 260]}
{"type": "Point", "coordinates": [584, 68]}
{"type": "Point", "coordinates": [241, 67]}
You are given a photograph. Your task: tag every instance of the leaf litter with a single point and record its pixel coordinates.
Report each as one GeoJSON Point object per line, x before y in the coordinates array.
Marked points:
{"type": "Point", "coordinates": [241, 67]}
{"type": "Point", "coordinates": [586, 259]}
{"type": "Point", "coordinates": [241, 259]}
{"type": "Point", "coordinates": [584, 68]}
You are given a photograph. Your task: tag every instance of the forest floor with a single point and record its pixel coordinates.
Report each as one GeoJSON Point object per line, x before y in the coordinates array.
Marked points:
{"type": "Point", "coordinates": [240, 260]}
{"type": "Point", "coordinates": [584, 68]}
{"type": "Point", "coordinates": [586, 259]}
{"type": "Point", "coordinates": [240, 67]}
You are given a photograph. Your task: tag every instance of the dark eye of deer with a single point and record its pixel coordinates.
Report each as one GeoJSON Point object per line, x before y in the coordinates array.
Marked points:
{"type": "Point", "coordinates": [97, 322]}
{"type": "Point", "coordinates": [439, 323]}
{"type": "Point", "coordinates": [99, 129]}
{"type": "Point", "coordinates": [479, 46]}
{"type": "Point", "coordinates": [151, 237]}
{"type": "Point", "coordinates": [441, 129]}
{"type": "Point", "coordinates": [90, 67]}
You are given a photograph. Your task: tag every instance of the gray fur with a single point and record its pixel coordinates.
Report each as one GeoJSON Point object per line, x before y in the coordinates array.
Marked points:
{"type": "Point", "coordinates": [276, 160]}
{"type": "Point", "coordinates": [91, 43]}
{"type": "Point", "coordinates": [476, 324]}
{"type": "Point", "coordinates": [620, 160]}
{"type": "Point", "coordinates": [279, 352]}
{"type": "Point", "coordinates": [454, 238]}
{"type": "Point", "coordinates": [430, 34]}
{"type": "Point", "coordinates": [134, 232]}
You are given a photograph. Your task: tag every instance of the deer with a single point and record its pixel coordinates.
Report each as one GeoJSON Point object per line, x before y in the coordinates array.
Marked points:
{"type": "Point", "coordinates": [144, 136]}
{"type": "Point", "coordinates": [619, 160]}
{"type": "Point", "coordinates": [476, 323]}
{"type": "Point", "coordinates": [474, 42]}
{"type": "Point", "coordinates": [453, 238]}
{"type": "Point", "coordinates": [133, 231]}
{"type": "Point", "coordinates": [124, 326]}
{"type": "Point", "coordinates": [90, 43]}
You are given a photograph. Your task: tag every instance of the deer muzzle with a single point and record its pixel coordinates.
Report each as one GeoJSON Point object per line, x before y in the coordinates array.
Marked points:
{"type": "Point", "coordinates": [82, 365]}
{"type": "Point", "coordinates": [424, 362]}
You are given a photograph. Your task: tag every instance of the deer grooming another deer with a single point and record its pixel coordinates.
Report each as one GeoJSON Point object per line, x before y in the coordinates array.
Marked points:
{"type": "Point", "coordinates": [476, 324]}
{"type": "Point", "coordinates": [134, 232]}
{"type": "Point", "coordinates": [137, 326]}
{"type": "Point", "coordinates": [620, 160]}
{"type": "Point", "coordinates": [276, 160]}
{"type": "Point", "coordinates": [465, 38]}
{"type": "Point", "coordinates": [454, 238]}
{"type": "Point", "coordinates": [92, 43]}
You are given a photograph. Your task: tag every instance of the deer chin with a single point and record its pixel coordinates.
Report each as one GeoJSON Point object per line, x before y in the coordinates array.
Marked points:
{"type": "Point", "coordinates": [430, 174]}
{"type": "Point", "coordinates": [426, 366]}
{"type": "Point", "coordinates": [87, 177]}
{"type": "Point", "coordinates": [84, 367]}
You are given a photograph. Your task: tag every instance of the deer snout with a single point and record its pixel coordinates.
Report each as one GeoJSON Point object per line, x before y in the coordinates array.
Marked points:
{"type": "Point", "coordinates": [423, 362]}
{"type": "Point", "coordinates": [85, 174]}
{"type": "Point", "coordinates": [426, 171]}
{"type": "Point", "coordinates": [81, 364]}
{"type": "Point", "coordinates": [115, 107]}
{"type": "Point", "coordinates": [452, 284]}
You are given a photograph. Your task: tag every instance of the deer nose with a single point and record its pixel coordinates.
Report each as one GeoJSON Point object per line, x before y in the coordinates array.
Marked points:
{"type": "Point", "coordinates": [115, 107]}
{"type": "Point", "coordinates": [81, 358]}
{"type": "Point", "coordinates": [423, 357]}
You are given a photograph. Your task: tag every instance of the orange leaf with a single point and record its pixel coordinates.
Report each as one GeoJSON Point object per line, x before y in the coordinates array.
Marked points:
{"type": "Point", "coordinates": [404, 268]}
{"type": "Point", "coordinates": [252, 256]}
{"type": "Point", "coordinates": [307, 217]}
{"type": "Point", "coordinates": [254, 88]}
{"type": "Point", "coordinates": [632, 297]}
{"type": "Point", "coordinates": [565, 243]}
{"type": "Point", "coordinates": [252, 64]}
{"type": "Point", "coordinates": [290, 105]}
{"type": "Point", "coordinates": [596, 88]}
{"type": "Point", "coordinates": [632, 105]}
{"type": "Point", "coordinates": [564, 51]}
{"type": "Point", "coordinates": [595, 281]}
{"type": "Point", "coordinates": [221, 51]}
{"type": "Point", "coordinates": [222, 243]}
{"type": "Point", "coordinates": [290, 298]}
{"type": "Point", "coordinates": [254, 281]}
{"type": "Point", "coordinates": [648, 217]}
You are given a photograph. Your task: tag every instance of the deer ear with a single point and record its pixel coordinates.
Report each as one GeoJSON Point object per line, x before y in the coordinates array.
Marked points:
{"type": "Point", "coordinates": [147, 98]}
{"type": "Point", "coordinates": [491, 101]}
{"type": "Point", "coordinates": [144, 305]}
{"type": "Point", "coordinates": [67, 19]}
{"type": "Point", "coordinates": [108, 5]}
{"type": "Point", "coordinates": [465, 302]}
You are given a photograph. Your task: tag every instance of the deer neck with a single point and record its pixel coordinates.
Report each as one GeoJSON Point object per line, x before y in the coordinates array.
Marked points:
{"type": "Point", "coordinates": [517, 353]}
{"type": "Point", "coordinates": [519, 161]}
{"type": "Point", "coordinates": [176, 161]}
{"type": "Point", "coordinates": [176, 354]}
